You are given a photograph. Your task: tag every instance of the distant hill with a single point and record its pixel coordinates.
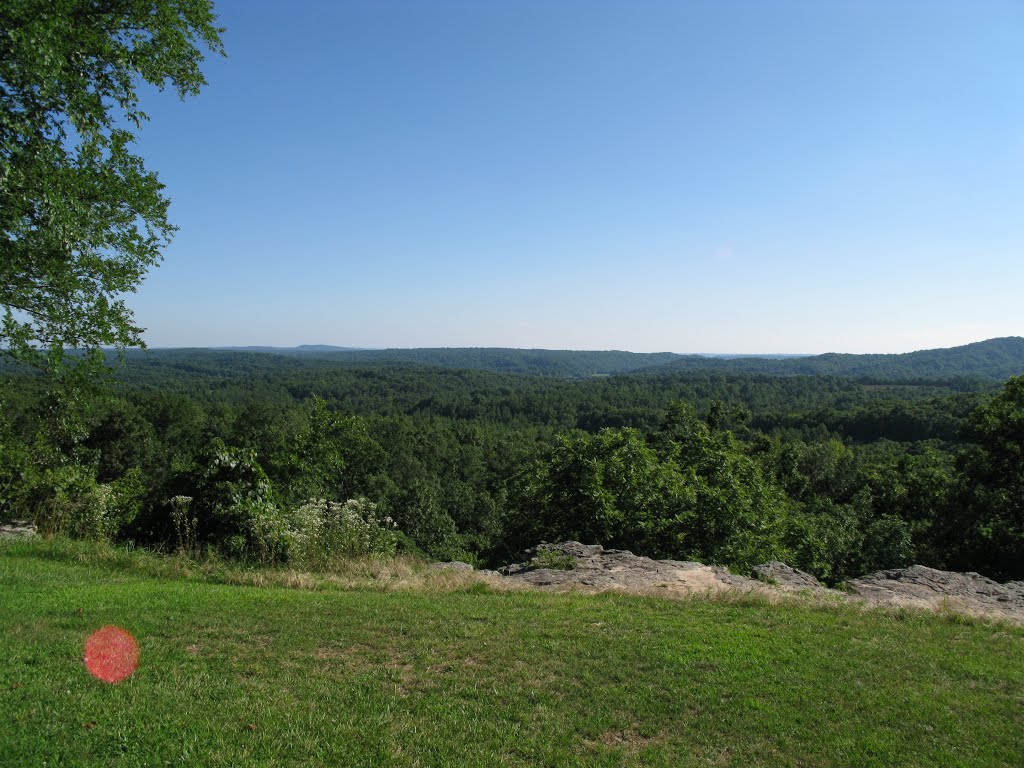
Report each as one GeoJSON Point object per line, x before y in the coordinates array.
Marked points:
{"type": "Point", "coordinates": [992, 359]}
{"type": "Point", "coordinates": [995, 359]}
{"type": "Point", "coordinates": [535, 362]}
{"type": "Point", "coordinates": [302, 348]}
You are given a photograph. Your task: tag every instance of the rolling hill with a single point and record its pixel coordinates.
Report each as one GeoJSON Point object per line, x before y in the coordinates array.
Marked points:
{"type": "Point", "coordinates": [994, 359]}
{"type": "Point", "coordinates": [991, 359]}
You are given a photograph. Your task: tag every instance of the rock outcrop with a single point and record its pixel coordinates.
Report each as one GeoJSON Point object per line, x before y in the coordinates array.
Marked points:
{"type": "Point", "coordinates": [927, 587]}
{"type": "Point", "coordinates": [787, 577]}
{"type": "Point", "coordinates": [453, 565]}
{"type": "Point", "coordinates": [591, 567]}
{"type": "Point", "coordinates": [17, 529]}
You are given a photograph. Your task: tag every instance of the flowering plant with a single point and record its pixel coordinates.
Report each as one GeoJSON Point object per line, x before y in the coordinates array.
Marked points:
{"type": "Point", "coordinates": [322, 529]}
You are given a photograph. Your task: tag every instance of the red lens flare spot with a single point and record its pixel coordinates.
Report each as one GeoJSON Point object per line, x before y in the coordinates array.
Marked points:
{"type": "Point", "coordinates": [111, 654]}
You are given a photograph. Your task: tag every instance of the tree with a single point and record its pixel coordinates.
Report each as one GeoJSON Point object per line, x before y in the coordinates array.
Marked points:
{"type": "Point", "coordinates": [687, 491]}
{"type": "Point", "coordinates": [994, 475]}
{"type": "Point", "coordinates": [609, 488]}
{"type": "Point", "coordinates": [81, 217]}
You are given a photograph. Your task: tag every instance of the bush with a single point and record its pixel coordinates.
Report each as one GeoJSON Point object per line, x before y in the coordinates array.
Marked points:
{"type": "Point", "coordinates": [320, 530]}
{"type": "Point", "coordinates": [826, 540]}
{"type": "Point", "coordinates": [552, 560]}
{"type": "Point", "coordinates": [417, 510]}
{"type": "Point", "coordinates": [15, 469]}
{"type": "Point", "coordinates": [67, 500]}
{"type": "Point", "coordinates": [887, 544]}
{"type": "Point", "coordinates": [234, 507]}
{"type": "Point", "coordinates": [185, 525]}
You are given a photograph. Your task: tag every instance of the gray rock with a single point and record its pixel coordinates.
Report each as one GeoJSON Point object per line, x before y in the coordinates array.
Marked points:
{"type": "Point", "coordinates": [785, 576]}
{"type": "Point", "coordinates": [17, 529]}
{"type": "Point", "coordinates": [573, 549]}
{"type": "Point", "coordinates": [596, 569]}
{"type": "Point", "coordinates": [454, 565]}
{"type": "Point", "coordinates": [919, 585]}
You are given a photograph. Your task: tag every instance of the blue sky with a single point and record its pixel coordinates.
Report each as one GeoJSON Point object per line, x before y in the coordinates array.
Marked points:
{"type": "Point", "coordinates": [710, 176]}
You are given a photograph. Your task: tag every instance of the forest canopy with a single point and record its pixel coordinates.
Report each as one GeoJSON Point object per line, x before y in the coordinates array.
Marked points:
{"type": "Point", "coordinates": [280, 459]}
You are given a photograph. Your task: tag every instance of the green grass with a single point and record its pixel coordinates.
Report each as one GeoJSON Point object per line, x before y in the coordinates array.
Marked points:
{"type": "Point", "coordinates": [236, 675]}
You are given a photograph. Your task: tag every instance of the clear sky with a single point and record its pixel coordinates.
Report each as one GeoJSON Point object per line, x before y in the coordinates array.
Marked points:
{"type": "Point", "coordinates": [687, 176]}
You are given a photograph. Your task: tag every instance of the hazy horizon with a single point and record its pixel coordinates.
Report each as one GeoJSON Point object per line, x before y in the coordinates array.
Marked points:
{"type": "Point", "coordinates": [355, 348]}
{"type": "Point", "coordinates": [783, 178]}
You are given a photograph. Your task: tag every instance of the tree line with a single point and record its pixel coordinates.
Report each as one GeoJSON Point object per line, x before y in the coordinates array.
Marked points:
{"type": "Point", "coordinates": [733, 470]}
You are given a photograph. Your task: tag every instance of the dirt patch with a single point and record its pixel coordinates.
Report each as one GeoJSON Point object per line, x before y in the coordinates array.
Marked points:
{"type": "Point", "coordinates": [626, 739]}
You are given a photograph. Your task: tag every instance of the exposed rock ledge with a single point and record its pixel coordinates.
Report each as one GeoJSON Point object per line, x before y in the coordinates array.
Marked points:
{"type": "Point", "coordinates": [595, 568]}
{"type": "Point", "coordinates": [16, 529]}
{"type": "Point", "coordinates": [919, 585]}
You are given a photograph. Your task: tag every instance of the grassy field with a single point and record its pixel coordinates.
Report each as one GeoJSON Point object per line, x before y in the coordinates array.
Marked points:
{"type": "Point", "coordinates": [237, 675]}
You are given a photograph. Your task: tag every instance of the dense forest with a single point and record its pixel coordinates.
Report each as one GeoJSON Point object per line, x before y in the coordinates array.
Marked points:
{"type": "Point", "coordinates": [291, 458]}
{"type": "Point", "coordinates": [991, 359]}
{"type": "Point", "coordinates": [994, 359]}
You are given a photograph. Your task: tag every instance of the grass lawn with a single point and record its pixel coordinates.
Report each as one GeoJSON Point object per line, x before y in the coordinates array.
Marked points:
{"type": "Point", "coordinates": [236, 675]}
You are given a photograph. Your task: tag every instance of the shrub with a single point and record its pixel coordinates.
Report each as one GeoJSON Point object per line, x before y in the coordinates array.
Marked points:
{"type": "Point", "coordinates": [320, 530]}
{"type": "Point", "coordinates": [825, 539]}
{"type": "Point", "coordinates": [887, 544]}
{"type": "Point", "coordinates": [235, 508]}
{"type": "Point", "coordinates": [553, 560]}
{"type": "Point", "coordinates": [417, 509]}
{"type": "Point", "coordinates": [185, 525]}
{"type": "Point", "coordinates": [67, 500]}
